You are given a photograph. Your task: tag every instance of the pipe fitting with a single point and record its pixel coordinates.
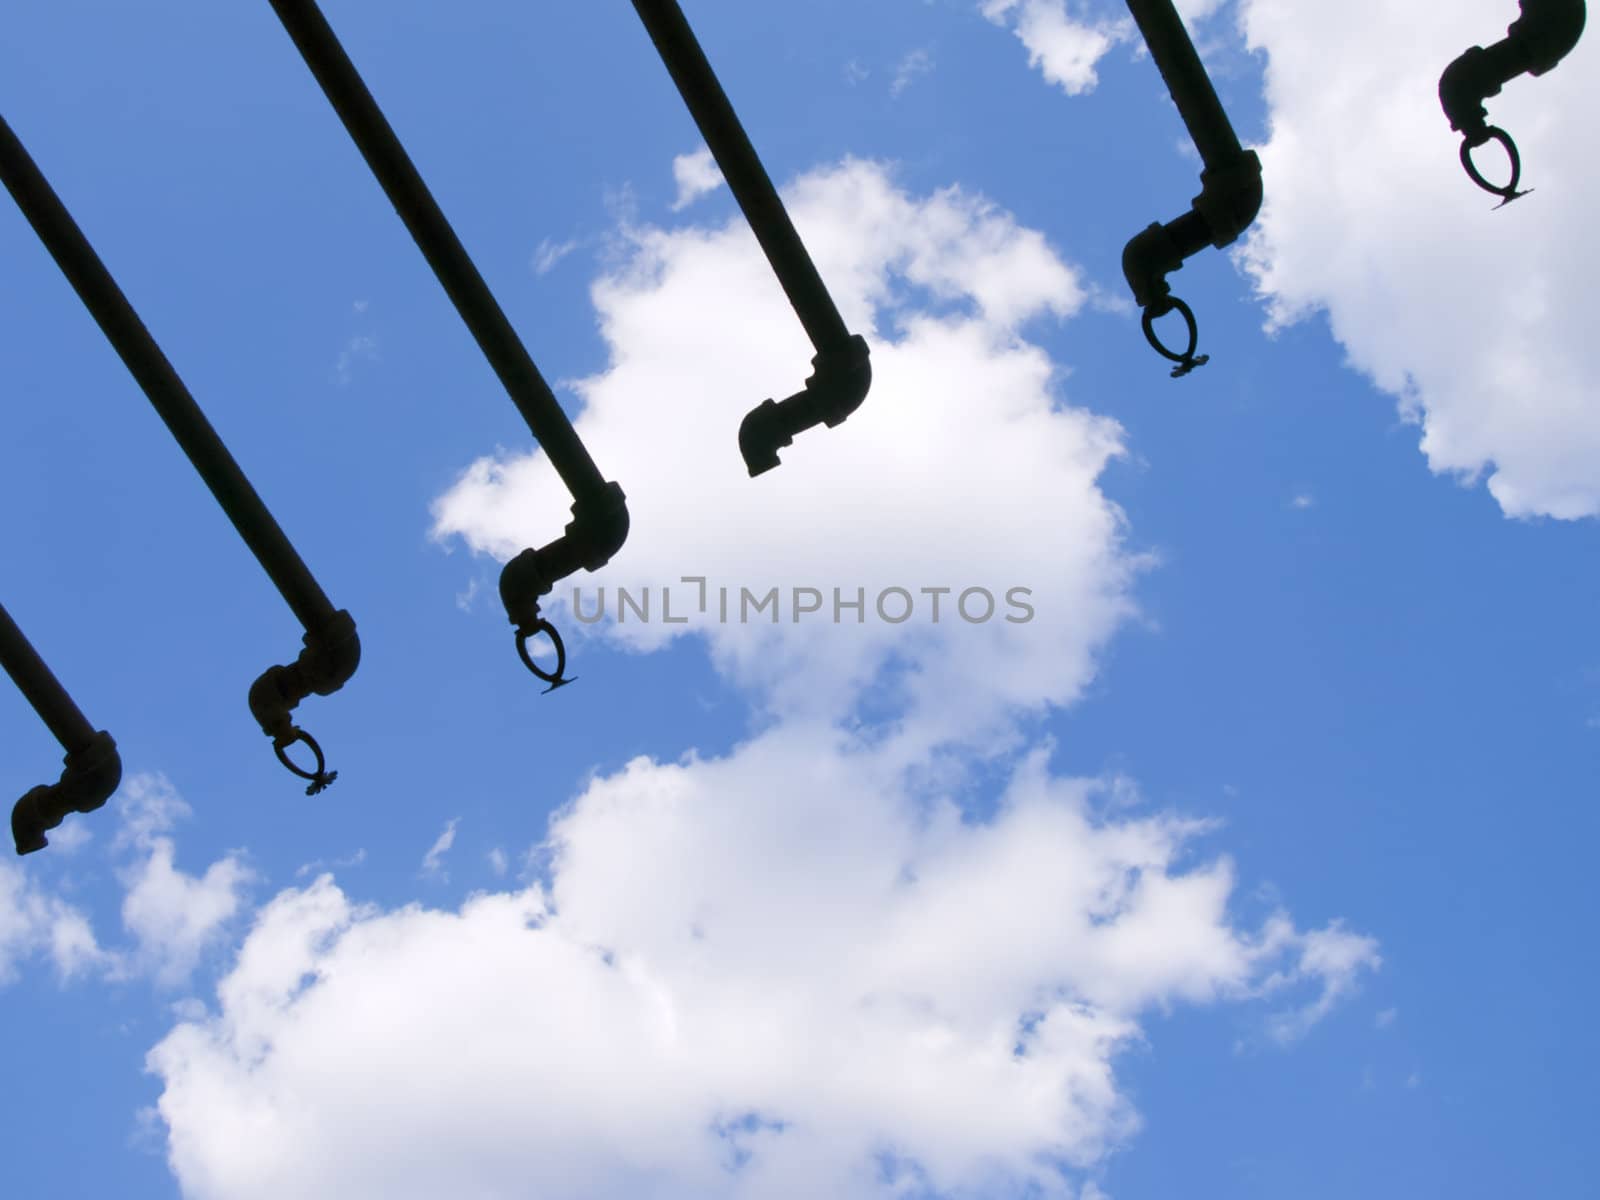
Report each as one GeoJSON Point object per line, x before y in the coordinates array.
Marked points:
{"type": "Point", "coordinates": [90, 775]}
{"type": "Point", "coordinates": [598, 528]}
{"type": "Point", "coordinates": [839, 382]}
{"type": "Point", "coordinates": [1535, 42]}
{"type": "Point", "coordinates": [1230, 197]}
{"type": "Point", "coordinates": [1548, 33]}
{"type": "Point", "coordinates": [329, 658]}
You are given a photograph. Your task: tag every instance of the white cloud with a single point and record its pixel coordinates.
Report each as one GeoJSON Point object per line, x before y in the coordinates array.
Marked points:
{"type": "Point", "coordinates": [1476, 321]}
{"type": "Point", "coordinates": [831, 962]}
{"type": "Point", "coordinates": [173, 917]}
{"type": "Point", "coordinates": [1385, 1019]}
{"type": "Point", "coordinates": [964, 468]}
{"type": "Point", "coordinates": [1303, 500]}
{"type": "Point", "coordinates": [1064, 49]}
{"type": "Point", "coordinates": [696, 174]}
{"type": "Point", "coordinates": [1333, 959]}
{"type": "Point", "coordinates": [70, 837]}
{"type": "Point", "coordinates": [433, 860]}
{"type": "Point", "coordinates": [792, 953]}
{"type": "Point", "coordinates": [360, 348]}
{"type": "Point", "coordinates": [318, 865]}
{"type": "Point", "coordinates": [34, 922]}
{"type": "Point", "coordinates": [918, 62]}
{"type": "Point", "coordinates": [549, 253]}
{"type": "Point", "coordinates": [498, 862]}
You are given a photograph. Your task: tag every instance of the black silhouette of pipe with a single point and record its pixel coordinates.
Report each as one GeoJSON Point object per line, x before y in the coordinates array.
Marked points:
{"type": "Point", "coordinates": [93, 768]}
{"type": "Point", "coordinates": [1535, 42]}
{"type": "Point", "coordinates": [331, 648]}
{"type": "Point", "coordinates": [1230, 185]}
{"type": "Point", "coordinates": [599, 523]}
{"type": "Point", "coordinates": [841, 371]}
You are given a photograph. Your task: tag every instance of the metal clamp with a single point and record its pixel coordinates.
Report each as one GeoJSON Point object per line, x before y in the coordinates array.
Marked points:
{"type": "Point", "coordinates": [321, 777]}
{"type": "Point", "coordinates": [1188, 360]}
{"type": "Point", "coordinates": [1493, 133]}
{"type": "Point", "coordinates": [556, 678]}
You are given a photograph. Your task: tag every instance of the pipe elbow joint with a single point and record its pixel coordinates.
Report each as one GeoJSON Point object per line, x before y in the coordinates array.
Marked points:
{"type": "Point", "coordinates": [1230, 197]}
{"type": "Point", "coordinates": [328, 659]}
{"type": "Point", "coordinates": [1148, 258]}
{"type": "Point", "coordinates": [839, 383]}
{"type": "Point", "coordinates": [840, 380]}
{"type": "Point", "coordinates": [331, 655]}
{"type": "Point", "coordinates": [1547, 31]}
{"type": "Point", "coordinates": [598, 528]}
{"type": "Point", "coordinates": [88, 779]}
{"type": "Point", "coordinates": [1466, 83]}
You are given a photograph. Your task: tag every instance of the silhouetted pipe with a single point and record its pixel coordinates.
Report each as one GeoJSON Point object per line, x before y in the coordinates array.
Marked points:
{"type": "Point", "coordinates": [599, 523]}
{"type": "Point", "coordinates": [1230, 185]}
{"type": "Point", "coordinates": [331, 649]}
{"type": "Point", "coordinates": [1535, 42]}
{"type": "Point", "coordinates": [93, 768]}
{"type": "Point", "coordinates": [842, 372]}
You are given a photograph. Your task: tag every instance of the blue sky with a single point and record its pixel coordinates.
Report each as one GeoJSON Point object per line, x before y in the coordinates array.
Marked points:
{"type": "Point", "coordinates": [1254, 865]}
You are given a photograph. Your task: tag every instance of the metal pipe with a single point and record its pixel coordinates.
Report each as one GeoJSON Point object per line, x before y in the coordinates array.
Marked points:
{"type": "Point", "coordinates": [93, 769]}
{"type": "Point", "coordinates": [149, 366]}
{"type": "Point", "coordinates": [331, 648]}
{"type": "Point", "coordinates": [600, 514]}
{"type": "Point", "coordinates": [842, 373]}
{"type": "Point", "coordinates": [1186, 79]}
{"type": "Point", "coordinates": [41, 689]}
{"type": "Point", "coordinates": [1230, 186]}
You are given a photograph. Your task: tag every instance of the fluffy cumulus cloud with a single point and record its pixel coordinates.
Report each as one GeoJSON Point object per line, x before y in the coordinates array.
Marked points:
{"type": "Point", "coordinates": [1065, 48]}
{"type": "Point", "coordinates": [1476, 320]}
{"type": "Point", "coordinates": [789, 972]}
{"type": "Point", "coordinates": [1066, 43]}
{"type": "Point", "coordinates": [963, 474]}
{"type": "Point", "coordinates": [172, 916]}
{"type": "Point", "coordinates": [696, 174]}
{"type": "Point", "coordinates": [839, 960]}
{"type": "Point", "coordinates": [1473, 320]}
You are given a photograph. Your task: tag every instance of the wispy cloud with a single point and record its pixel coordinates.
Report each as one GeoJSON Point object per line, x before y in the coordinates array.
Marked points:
{"type": "Point", "coordinates": [919, 62]}
{"type": "Point", "coordinates": [433, 860]}
{"type": "Point", "coordinates": [321, 864]}
{"type": "Point", "coordinates": [361, 347]}
{"type": "Point", "coordinates": [550, 253]}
